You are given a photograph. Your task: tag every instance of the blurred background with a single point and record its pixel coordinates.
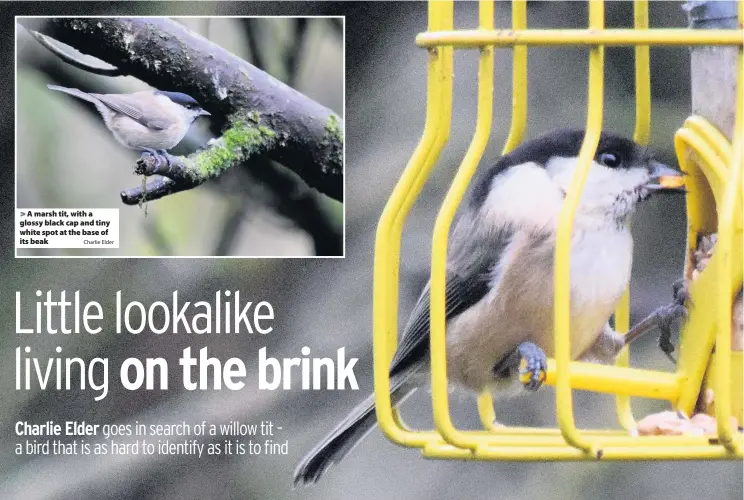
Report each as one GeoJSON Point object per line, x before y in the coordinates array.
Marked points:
{"type": "Point", "coordinates": [66, 158]}
{"type": "Point", "coordinates": [326, 304]}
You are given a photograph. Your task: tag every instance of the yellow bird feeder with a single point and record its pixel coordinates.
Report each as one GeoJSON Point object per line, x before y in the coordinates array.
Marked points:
{"type": "Point", "coordinates": [714, 205]}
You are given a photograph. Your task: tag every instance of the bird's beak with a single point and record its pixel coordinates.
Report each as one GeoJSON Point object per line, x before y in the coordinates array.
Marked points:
{"type": "Point", "coordinates": [664, 178]}
{"type": "Point", "coordinates": [204, 112]}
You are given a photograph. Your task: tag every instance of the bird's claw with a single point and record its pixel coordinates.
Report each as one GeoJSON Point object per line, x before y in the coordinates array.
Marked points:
{"type": "Point", "coordinates": [154, 154]}
{"type": "Point", "coordinates": [669, 314]}
{"type": "Point", "coordinates": [533, 366]}
{"type": "Point", "coordinates": [666, 318]}
{"type": "Point", "coordinates": [158, 154]}
{"type": "Point", "coordinates": [681, 292]}
{"type": "Point", "coordinates": [167, 157]}
{"type": "Point", "coordinates": [667, 346]}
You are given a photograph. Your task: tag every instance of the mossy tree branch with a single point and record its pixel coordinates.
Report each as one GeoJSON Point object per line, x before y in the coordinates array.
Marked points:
{"type": "Point", "coordinates": [243, 140]}
{"type": "Point", "coordinates": [262, 116]}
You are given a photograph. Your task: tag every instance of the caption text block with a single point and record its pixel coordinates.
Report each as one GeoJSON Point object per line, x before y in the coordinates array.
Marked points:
{"type": "Point", "coordinates": [67, 228]}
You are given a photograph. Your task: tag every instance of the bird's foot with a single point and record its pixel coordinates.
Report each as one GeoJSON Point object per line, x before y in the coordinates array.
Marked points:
{"type": "Point", "coordinates": [151, 152]}
{"type": "Point", "coordinates": [681, 291]}
{"type": "Point", "coordinates": [667, 316]}
{"type": "Point", "coordinates": [167, 156]}
{"type": "Point", "coordinates": [533, 366]}
{"type": "Point", "coordinates": [664, 318]}
{"type": "Point", "coordinates": [529, 362]}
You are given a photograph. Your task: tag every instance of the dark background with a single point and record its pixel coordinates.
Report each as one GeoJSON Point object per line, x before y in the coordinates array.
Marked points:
{"type": "Point", "coordinates": [326, 304]}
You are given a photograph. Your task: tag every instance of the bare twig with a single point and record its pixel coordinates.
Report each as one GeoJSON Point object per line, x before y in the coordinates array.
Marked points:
{"type": "Point", "coordinates": [154, 190]}
{"type": "Point", "coordinates": [175, 170]}
{"type": "Point", "coordinates": [96, 70]}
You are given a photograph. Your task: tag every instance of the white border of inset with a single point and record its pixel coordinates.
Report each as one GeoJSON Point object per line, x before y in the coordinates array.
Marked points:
{"type": "Point", "coordinates": [15, 145]}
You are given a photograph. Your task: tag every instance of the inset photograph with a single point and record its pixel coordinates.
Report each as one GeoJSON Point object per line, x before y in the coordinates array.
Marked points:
{"type": "Point", "coordinates": [179, 137]}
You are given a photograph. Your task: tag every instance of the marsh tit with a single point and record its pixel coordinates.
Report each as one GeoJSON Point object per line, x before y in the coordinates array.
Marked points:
{"type": "Point", "coordinates": [499, 286]}
{"type": "Point", "coordinates": [151, 121]}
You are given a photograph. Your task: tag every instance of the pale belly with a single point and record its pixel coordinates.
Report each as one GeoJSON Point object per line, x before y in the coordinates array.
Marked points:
{"type": "Point", "coordinates": [137, 136]}
{"type": "Point", "coordinates": [520, 307]}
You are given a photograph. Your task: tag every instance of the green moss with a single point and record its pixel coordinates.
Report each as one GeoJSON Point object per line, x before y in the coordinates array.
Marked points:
{"type": "Point", "coordinates": [266, 131]}
{"type": "Point", "coordinates": [333, 127]}
{"type": "Point", "coordinates": [333, 142]}
{"type": "Point", "coordinates": [241, 141]}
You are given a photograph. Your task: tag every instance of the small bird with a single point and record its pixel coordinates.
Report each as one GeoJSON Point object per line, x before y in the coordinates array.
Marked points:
{"type": "Point", "coordinates": [151, 121]}
{"type": "Point", "coordinates": [499, 284]}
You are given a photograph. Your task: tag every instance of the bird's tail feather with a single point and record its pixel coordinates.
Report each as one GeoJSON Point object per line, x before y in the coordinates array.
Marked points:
{"type": "Point", "coordinates": [74, 92]}
{"type": "Point", "coordinates": [347, 434]}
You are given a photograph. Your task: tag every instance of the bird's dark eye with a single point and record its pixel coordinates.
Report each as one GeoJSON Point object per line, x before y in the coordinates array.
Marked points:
{"type": "Point", "coordinates": [610, 159]}
{"type": "Point", "coordinates": [188, 106]}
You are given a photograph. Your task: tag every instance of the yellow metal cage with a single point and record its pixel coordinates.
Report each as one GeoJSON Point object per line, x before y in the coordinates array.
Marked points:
{"type": "Point", "coordinates": [714, 205]}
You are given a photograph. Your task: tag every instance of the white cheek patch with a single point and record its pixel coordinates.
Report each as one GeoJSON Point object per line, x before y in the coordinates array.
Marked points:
{"type": "Point", "coordinates": [523, 195]}
{"type": "Point", "coordinates": [603, 184]}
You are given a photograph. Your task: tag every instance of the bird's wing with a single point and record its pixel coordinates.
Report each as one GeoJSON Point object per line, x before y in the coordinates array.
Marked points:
{"type": "Point", "coordinates": [126, 105]}
{"type": "Point", "coordinates": [464, 287]}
